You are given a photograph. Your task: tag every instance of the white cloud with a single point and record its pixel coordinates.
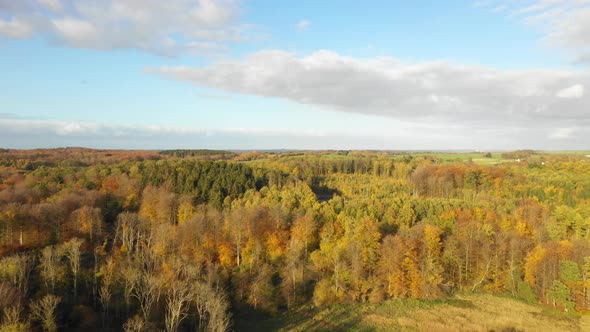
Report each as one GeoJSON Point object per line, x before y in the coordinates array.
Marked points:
{"type": "Point", "coordinates": [76, 31]}
{"type": "Point", "coordinates": [562, 133]}
{"type": "Point", "coordinates": [163, 27]}
{"type": "Point", "coordinates": [385, 86]}
{"type": "Point", "coordinates": [14, 124]}
{"type": "Point", "coordinates": [565, 23]}
{"type": "Point", "coordinates": [303, 25]}
{"type": "Point", "coordinates": [19, 132]}
{"type": "Point", "coordinates": [15, 28]}
{"type": "Point", "coordinates": [574, 91]}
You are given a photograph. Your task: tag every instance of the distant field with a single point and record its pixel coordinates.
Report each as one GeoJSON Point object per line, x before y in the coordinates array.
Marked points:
{"type": "Point", "coordinates": [476, 157]}
{"type": "Point", "coordinates": [462, 313]}
{"type": "Point", "coordinates": [334, 156]}
{"type": "Point", "coordinates": [583, 152]}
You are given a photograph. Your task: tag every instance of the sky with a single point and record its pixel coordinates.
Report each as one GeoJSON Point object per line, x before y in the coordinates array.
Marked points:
{"type": "Point", "coordinates": [306, 74]}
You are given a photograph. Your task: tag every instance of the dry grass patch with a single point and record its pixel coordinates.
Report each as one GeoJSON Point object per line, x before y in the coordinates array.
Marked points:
{"type": "Point", "coordinates": [463, 313]}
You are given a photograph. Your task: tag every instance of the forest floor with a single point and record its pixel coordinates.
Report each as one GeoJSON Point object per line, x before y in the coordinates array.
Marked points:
{"type": "Point", "coordinates": [474, 312]}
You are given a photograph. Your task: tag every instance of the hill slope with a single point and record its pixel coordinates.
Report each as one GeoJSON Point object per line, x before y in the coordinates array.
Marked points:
{"type": "Point", "coordinates": [462, 313]}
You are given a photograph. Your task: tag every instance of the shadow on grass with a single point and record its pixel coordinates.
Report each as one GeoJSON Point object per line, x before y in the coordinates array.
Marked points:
{"type": "Point", "coordinates": [306, 318]}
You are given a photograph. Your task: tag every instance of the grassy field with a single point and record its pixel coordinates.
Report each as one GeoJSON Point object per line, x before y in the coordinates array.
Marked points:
{"type": "Point", "coordinates": [475, 157]}
{"type": "Point", "coordinates": [462, 313]}
{"type": "Point", "coordinates": [582, 152]}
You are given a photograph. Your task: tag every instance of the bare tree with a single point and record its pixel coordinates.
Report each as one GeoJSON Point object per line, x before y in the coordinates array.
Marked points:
{"type": "Point", "coordinates": [200, 296]}
{"type": "Point", "coordinates": [17, 270]}
{"type": "Point", "coordinates": [178, 299]}
{"type": "Point", "coordinates": [105, 292]}
{"type": "Point", "coordinates": [43, 310]}
{"type": "Point", "coordinates": [72, 252]}
{"type": "Point", "coordinates": [129, 275]}
{"type": "Point", "coordinates": [50, 266]}
{"type": "Point", "coordinates": [212, 308]}
{"type": "Point", "coordinates": [147, 292]}
{"type": "Point", "coordinates": [236, 225]}
{"type": "Point", "coordinates": [219, 318]}
{"type": "Point", "coordinates": [129, 231]}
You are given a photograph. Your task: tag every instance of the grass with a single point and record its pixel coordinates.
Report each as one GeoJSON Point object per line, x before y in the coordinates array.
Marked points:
{"type": "Point", "coordinates": [473, 312]}
{"type": "Point", "coordinates": [451, 158]}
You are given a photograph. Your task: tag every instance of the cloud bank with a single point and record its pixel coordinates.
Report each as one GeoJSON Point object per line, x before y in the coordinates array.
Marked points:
{"type": "Point", "coordinates": [439, 92]}
{"type": "Point", "coordinates": [19, 132]}
{"type": "Point", "coordinates": [163, 27]}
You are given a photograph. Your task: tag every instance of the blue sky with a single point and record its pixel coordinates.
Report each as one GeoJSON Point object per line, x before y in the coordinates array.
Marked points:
{"type": "Point", "coordinates": [295, 74]}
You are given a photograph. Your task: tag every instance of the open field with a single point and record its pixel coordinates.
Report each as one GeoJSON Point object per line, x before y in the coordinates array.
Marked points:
{"type": "Point", "coordinates": [582, 152]}
{"type": "Point", "coordinates": [444, 157]}
{"type": "Point", "coordinates": [451, 157]}
{"type": "Point", "coordinates": [462, 313]}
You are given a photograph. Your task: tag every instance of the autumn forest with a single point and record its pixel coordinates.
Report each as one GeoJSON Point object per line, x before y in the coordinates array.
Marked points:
{"type": "Point", "coordinates": [205, 240]}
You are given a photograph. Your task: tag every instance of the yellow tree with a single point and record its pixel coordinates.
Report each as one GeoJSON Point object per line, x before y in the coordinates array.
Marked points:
{"type": "Point", "coordinates": [431, 261]}
{"type": "Point", "coordinates": [88, 221]}
{"type": "Point", "coordinates": [391, 267]}
{"type": "Point", "coordinates": [186, 209]}
{"type": "Point", "coordinates": [362, 242]}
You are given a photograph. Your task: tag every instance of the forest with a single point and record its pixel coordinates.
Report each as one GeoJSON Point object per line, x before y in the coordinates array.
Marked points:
{"type": "Point", "coordinates": [204, 240]}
